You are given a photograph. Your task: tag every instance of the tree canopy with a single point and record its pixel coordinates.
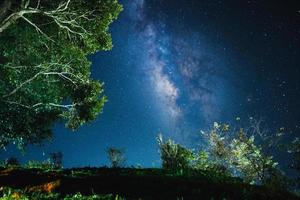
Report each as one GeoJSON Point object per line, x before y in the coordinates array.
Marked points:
{"type": "Point", "coordinates": [44, 71]}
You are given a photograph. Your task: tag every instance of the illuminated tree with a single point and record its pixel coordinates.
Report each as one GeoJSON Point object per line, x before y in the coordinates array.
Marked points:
{"type": "Point", "coordinates": [44, 70]}
{"type": "Point", "coordinates": [244, 151]}
{"type": "Point", "coordinates": [249, 159]}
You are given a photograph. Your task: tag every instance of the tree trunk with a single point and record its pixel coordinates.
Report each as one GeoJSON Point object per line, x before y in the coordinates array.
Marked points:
{"type": "Point", "coordinates": [9, 21]}
{"type": "Point", "coordinates": [6, 17]}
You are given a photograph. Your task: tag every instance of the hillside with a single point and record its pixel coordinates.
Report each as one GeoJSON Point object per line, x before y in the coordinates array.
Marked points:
{"type": "Point", "coordinates": [132, 183]}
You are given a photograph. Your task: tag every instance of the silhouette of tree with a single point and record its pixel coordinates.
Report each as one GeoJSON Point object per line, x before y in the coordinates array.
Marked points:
{"type": "Point", "coordinates": [116, 157]}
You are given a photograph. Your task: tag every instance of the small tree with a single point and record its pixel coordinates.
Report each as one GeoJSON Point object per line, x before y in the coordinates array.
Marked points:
{"type": "Point", "coordinates": [56, 159]}
{"type": "Point", "coordinates": [174, 156]}
{"type": "Point", "coordinates": [12, 161]}
{"type": "Point", "coordinates": [116, 157]}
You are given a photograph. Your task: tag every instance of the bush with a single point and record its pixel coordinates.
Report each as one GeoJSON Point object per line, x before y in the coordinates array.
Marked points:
{"type": "Point", "coordinates": [45, 165]}
{"type": "Point", "coordinates": [174, 156]}
{"type": "Point", "coordinates": [12, 161]}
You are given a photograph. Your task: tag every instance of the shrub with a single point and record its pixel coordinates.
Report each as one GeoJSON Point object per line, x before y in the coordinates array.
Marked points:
{"type": "Point", "coordinates": [174, 156]}
{"type": "Point", "coordinates": [45, 165]}
{"type": "Point", "coordinates": [12, 161]}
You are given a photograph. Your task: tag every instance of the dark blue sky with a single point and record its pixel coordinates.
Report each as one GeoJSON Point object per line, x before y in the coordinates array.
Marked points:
{"type": "Point", "coordinates": [177, 66]}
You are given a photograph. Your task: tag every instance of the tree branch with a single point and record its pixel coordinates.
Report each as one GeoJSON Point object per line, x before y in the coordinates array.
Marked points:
{"type": "Point", "coordinates": [63, 18]}
{"type": "Point", "coordinates": [66, 106]}
{"type": "Point", "coordinates": [22, 84]}
{"type": "Point", "coordinates": [60, 74]}
{"type": "Point", "coordinates": [36, 27]}
{"type": "Point", "coordinates": [4, 7]}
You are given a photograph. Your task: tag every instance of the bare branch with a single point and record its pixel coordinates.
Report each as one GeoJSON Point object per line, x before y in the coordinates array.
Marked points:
{"type": "Point", "coordinates": [63, 6]}
{"type": "Point", "coordinates": [16, 103]}
{"type": "Point", "coordinates": [63, 106]}
{"type": "Point", "coordinates": [66, 106]}
{"type": "Point", "coordinates": [36, 27]}
{"type": "Point", "coordinates": [38, 4]}
{"type": "Point", "coordinates": [21, 85]}
{"type": "Point", "coordinates": [60, 74]}
{"type": "Point", "coordinates": [27, 4]}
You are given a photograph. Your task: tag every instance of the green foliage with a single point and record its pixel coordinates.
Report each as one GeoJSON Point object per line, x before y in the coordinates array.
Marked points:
{"type": "Point", "coordinates": [217, 140]}
{"type": "Point", "coordinates": [201, 161]}
{"type": "Point", "coordinates": [116, 157]}
{"type": "Point", "coordinates": [174, 156]}
{"type": "Point", "coordinates": [44, 165]}
{"type": "Point", "coordinates": [44, 70]}
{"type": "Point", "coordinates": [249, 159]}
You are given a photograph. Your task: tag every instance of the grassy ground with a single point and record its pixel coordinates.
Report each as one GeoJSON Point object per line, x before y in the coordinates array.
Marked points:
{"type": "Point", "coordinates": [130, 183]}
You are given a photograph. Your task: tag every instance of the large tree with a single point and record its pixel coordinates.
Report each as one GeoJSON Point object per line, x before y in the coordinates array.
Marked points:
{"type": "Point", "coordinates": [44, 70]}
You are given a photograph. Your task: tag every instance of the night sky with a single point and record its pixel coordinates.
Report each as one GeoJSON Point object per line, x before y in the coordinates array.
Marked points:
{"type": "Point", "coordinates": [179, 65]}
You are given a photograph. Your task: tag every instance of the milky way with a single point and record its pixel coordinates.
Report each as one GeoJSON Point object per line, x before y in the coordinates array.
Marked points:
{"type": "Point", "coordinates": [181, 71]}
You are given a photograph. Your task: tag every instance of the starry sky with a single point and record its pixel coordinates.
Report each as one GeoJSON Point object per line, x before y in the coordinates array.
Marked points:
{"type": "Point", "coordinates": [178, 66]}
